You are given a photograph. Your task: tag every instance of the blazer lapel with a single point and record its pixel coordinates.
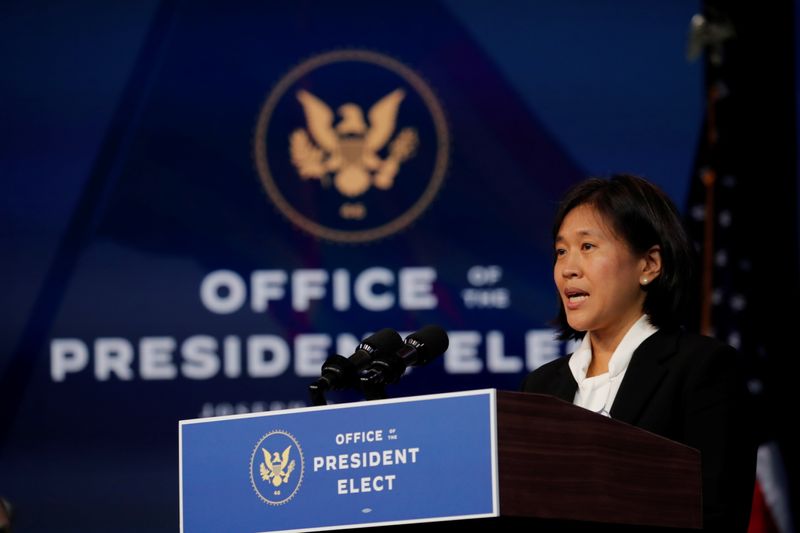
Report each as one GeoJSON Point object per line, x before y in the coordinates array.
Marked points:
{"type": "Point", "coordinates": [645, 372]}
{"type": "Point", "coordinates": [565, 386]}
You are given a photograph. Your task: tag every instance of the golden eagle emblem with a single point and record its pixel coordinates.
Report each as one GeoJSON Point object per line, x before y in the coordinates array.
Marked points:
{"type": "Point", "coordinates": [349, 150]}
{"type": "Point", "coordinates": [276, 469]}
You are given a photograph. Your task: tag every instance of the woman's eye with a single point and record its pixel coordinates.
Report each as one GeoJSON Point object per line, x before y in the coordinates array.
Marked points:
{"type": "Point", "coordinates": [587, 246]}
{"type": "Point", "coordinates": [560, 252]}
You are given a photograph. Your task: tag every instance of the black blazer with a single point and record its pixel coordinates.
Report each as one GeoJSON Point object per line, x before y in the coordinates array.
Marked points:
{"type": "Point", "coordinates": [690, 389]}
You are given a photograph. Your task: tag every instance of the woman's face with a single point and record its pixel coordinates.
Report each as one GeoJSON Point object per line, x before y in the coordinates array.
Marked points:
{"type": "Point", "coordinates": [597, 275]}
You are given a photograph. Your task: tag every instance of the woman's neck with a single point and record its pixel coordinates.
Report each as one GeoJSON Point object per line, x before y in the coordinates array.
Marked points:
{"type": "Point", "coordinates": [604, 343]}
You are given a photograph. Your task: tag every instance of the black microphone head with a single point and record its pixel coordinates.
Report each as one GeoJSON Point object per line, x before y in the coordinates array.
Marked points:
{"type": "Point", "coordinates": [430, 342]}
{"type": "Point", "coordinates": [386, 340]}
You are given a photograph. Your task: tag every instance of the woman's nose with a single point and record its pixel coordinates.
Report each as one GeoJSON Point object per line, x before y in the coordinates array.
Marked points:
{"type": "Point", "coordinates": [569, 267]}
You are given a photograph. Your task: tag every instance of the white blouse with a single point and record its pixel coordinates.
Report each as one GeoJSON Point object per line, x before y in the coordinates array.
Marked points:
{"type": "Point", "coordinates": [597, 393]}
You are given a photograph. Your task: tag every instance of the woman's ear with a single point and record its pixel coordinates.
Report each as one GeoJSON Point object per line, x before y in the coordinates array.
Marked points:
{"type": "Point", "coordinates": [651, 265]}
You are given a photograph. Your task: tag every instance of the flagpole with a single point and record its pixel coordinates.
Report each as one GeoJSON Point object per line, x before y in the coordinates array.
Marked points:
{"type": "Point", "coordinates": [709, 178]}
{"type": "Point", "coordinates": [708, 33]}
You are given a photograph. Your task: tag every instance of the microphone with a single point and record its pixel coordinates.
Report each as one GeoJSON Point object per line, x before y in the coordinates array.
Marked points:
{"type": "Point", "coordinates": [340, 372]}
{"type": "Point", "coordinates": [419, 348]}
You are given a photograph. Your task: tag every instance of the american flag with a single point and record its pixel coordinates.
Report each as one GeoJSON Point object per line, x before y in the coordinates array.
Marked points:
{"type": "Point", "coordinates": [723, 217]}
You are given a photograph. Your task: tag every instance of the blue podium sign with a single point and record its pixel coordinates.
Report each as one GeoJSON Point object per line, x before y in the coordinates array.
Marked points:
{"type": "Point", "coordinates": [418, 459]}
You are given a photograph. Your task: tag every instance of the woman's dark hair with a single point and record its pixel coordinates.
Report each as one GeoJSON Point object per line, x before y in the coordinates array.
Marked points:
{"type": "Point", "coordinates": [643, 216]}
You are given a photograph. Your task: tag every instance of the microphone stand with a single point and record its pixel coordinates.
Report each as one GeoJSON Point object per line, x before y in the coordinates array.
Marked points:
{"type": "Point", "coordinates": [373, 391]}
{"type": "Point", "coordinates": [317, 393]}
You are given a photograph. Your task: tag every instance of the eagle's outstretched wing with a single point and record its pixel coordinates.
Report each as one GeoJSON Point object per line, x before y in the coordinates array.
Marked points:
{"type": "Point", "coordinates": [307, 158]}
{"type": "Point", "coordinates": [285, 457]}
{"type": "Point", "coordinates": [319, 119]}
{"type": "Point", "coordinates": [268, 460]}
{"type": "Point", "coordinates": [266, 471]}
{"type": "Point", "coordinates": [383, 119]}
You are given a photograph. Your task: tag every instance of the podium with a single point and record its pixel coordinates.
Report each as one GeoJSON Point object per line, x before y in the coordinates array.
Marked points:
{"type": "Point", "coordinates": [428, 460]}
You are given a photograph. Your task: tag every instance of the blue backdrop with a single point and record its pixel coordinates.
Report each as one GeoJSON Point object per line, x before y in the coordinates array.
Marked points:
{"type": "Point", "coordinates": [170, 250]}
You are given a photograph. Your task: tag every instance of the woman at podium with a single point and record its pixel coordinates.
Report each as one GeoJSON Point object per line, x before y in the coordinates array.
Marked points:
{"type": "Point", "coordinates": [622, 268]}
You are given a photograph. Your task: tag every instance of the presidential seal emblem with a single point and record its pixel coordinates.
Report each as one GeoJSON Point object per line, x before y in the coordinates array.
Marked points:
{"type": "Point", "coordinates": [276, 467]}
{"type": "Point", "coordinates": [351, 146]}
